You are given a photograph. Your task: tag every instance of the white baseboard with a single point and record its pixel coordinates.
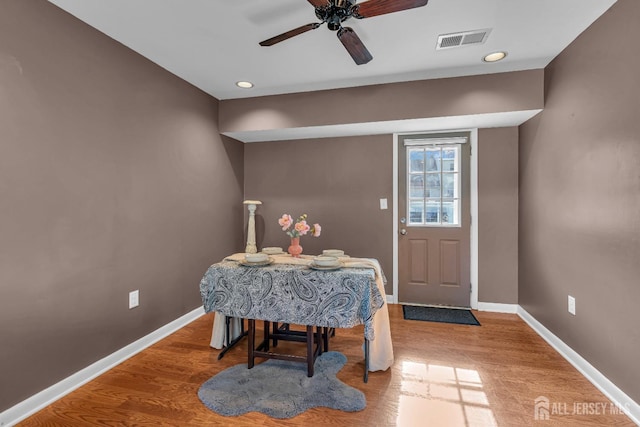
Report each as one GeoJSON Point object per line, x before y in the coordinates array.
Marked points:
{"type": "Point", "coordinates": [44, 398]}
{"type": "Point", "coordinates": [498, 307]}
{"type": "Point", "coordinates": [609, 389]}
{"type": "Point", "coordinates": [390, 299]}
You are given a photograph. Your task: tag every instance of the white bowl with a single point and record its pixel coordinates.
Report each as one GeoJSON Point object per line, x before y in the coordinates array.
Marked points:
{"type": "Point", "coordinates": [333, 252]}
{"type": "Point", "coordinates": [325, 261]}
{"type": "Point", "coordinates": [256, 257]}
{"type": "Point", "coordinates": [272, 250]}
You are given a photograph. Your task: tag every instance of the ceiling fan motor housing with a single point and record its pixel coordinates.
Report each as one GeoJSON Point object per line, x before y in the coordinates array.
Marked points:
{"type": "Point", "coordinates": [335, 12]}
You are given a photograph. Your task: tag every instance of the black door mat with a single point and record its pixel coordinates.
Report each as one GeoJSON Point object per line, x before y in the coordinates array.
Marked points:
{"type": "Point", "coordinates": [442, 315]}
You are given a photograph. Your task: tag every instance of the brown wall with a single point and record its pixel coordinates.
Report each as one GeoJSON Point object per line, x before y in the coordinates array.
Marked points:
{"type": "Point", "coordinates": [580, 198]}
{"type": "Point", "coordinates": [113, 177]}
{"type": "Point", "coordinates": [338, 182]}
{"type": "Point", "coordinates": [518, 91]}
{"type": "Point", "coordinates": [498, 215]}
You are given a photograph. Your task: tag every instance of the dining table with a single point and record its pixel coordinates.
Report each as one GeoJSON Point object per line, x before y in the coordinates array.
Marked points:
{"type": "Point", "coordinates": [290, 290]}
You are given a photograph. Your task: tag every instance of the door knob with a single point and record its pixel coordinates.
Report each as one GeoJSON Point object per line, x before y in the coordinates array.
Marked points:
{"type": "Point", "coordinates": [403, 231]}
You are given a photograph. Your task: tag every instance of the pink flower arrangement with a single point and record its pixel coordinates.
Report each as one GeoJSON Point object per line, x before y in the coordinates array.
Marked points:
{"type": "Point", "coordinates": [300, 228]}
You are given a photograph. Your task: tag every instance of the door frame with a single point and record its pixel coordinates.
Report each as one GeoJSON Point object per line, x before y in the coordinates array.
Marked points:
{"type": "Point", "coordinates": [473, 300]}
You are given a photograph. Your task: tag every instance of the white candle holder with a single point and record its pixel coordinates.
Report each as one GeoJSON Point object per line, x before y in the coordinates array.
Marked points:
{"type": "Point", "coordinates": [251, 232]}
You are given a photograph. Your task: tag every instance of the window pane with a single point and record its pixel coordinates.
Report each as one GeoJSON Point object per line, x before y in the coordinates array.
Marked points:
{"type": "Point", "coordinates": [433, 160]}
{"type": "Point", "coordinates": [432, 212]}
{"type": "Point", "coordinates": [450, 212]}
{"type": "Point", "coordinates": [450, 159]}
{"type": "Point", "coordinates": [416, 210]}
{"type": "Point", "coordinates": [416, 160]}
{"type": "Point", "coordinates": [449, 185]}
{"type": "Point", "coordinates": [416, 186]}
{"type": "Point", "coordinates": [433, 185]}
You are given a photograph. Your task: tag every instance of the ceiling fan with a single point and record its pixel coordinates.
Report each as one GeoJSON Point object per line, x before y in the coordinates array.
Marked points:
{"type": "Point", "coordinates": [335, 12]}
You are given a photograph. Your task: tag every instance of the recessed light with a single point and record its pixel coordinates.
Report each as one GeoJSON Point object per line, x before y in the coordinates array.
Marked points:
{"type": "Point", "coordinates": [244, 85]}
{"type": "Point", "coordinates": [494, 57]}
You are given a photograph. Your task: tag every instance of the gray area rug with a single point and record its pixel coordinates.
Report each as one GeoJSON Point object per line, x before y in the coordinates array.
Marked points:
{"type": "Point", "coordinates": [281, 389]}
{"type": "Point", "coordinates": [442, 315]}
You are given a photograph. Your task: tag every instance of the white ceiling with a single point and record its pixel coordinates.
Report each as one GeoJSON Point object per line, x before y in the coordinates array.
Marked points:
{"type": "Point", "coordinates": [214, 43]}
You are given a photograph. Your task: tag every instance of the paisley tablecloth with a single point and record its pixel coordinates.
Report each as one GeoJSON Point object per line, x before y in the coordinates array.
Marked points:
{"type": "Point", "coordinates": [293, 294]}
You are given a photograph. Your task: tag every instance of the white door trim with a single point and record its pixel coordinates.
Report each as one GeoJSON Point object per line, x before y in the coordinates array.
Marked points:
{"type": "Point", "coordinates": [474, 218]}
{"type": "Point", "coordinates": [474, 213]}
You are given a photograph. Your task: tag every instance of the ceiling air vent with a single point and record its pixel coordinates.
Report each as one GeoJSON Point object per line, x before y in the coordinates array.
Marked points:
{"type": "Point", "coordinates": [446, 41]}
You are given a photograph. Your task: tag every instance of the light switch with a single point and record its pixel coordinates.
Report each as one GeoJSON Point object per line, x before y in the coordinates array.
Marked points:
{"type": "Point", "coordinates": [134, 299]}
{"type": "Point", "coordinates": [572, 305]}
{"type": "Point", "coordinates": [383, 203]}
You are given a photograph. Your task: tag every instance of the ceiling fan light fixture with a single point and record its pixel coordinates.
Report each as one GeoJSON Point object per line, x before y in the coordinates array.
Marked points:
{"type": "Point", "coordinates": [494, 57]}
{"type": "Point", "coordinates": [244, 84]}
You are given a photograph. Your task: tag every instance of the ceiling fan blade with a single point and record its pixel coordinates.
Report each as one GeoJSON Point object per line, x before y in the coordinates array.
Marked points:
{"type": "Point", "coordinates": [382, 7]}
{"type": "Point", "coordinates": [289, 34]}
{"type": "Point", "coordinates": [354, 45]}
{"type": "Point", "coordinates": [319, 3]}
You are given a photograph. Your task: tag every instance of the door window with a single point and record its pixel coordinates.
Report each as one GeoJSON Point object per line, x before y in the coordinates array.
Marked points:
{"type": "Point", "coordinates": [433, 185]}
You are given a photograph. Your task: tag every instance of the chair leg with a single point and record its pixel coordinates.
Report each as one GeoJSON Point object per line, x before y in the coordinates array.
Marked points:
{"type": "Point", "coordinates": [252, 338]}
{"type": "Point", "coordinates": [310, 358]}
{"type": "Point", "coordinates": [275, 331]}
{"type": "Point", "coordinates": [227, 334]}
{"type": "Point", "coordinates": [366, 360]}
{"type": "Point", "coordinates": [266, 335]}
{"type": "Point", "coordinates": [325, 338]}
{"type": "Point", "coordinates": [319, 341]}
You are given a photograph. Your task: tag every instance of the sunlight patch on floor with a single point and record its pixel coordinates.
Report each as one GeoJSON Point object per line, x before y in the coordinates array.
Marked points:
{"type": "Point", "coordinates": [442, 395]}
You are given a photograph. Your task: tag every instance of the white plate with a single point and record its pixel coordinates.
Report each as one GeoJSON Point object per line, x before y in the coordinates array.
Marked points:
{"type": "Point", "coordinates": [333, 252]}
{"type": "Point", "coordinates": [325, 261]}
{"type": "Point", "coordinates": [246, 263]}
{"type": "Point", "coordinates": [253, 258]}
{"type": "Point", "coordinates": [272, 250]}
{"type": "Point", "coordinates": [326, 268]}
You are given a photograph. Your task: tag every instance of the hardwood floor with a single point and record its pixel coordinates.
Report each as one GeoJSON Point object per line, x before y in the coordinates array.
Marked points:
{"type": "Point", "coordinates": [444, 375]}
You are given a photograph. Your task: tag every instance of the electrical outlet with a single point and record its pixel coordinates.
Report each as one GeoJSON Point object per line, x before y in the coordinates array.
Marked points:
{"type": "Point", "coordinates": [134, 299]}
{"type": "Point", "coordinates": [572, 305]}
{"type": "Point", "coordinates": [383, 203]}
